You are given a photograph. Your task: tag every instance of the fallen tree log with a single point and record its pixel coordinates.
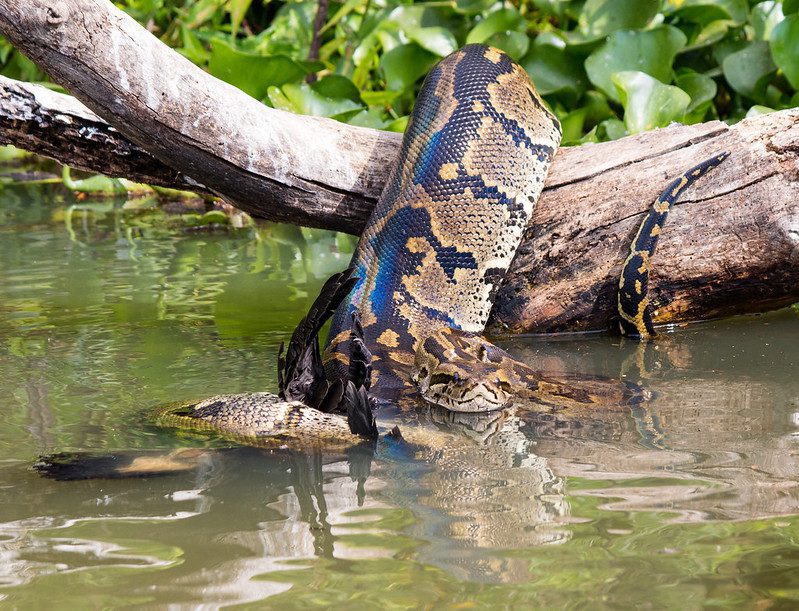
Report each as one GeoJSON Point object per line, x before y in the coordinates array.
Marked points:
{"type": "Point", "coordinates": [731, 246]}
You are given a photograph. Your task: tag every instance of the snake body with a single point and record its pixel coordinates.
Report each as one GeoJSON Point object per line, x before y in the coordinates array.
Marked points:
{"type": "Point", "coordinates": [410, 310]}
{"type": "Point", "coordinates": [471, 167]}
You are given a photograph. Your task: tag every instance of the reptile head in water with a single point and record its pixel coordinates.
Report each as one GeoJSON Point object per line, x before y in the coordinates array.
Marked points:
{"type": "Point", "coordinates": [462, 372]}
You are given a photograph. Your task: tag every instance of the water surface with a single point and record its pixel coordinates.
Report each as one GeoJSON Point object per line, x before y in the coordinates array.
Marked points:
{"type": "Point", "coordinates": [688, 501]}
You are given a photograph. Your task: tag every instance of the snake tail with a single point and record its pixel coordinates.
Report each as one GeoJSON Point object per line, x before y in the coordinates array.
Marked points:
{"type": "Point", "coordinates": [634, 312]}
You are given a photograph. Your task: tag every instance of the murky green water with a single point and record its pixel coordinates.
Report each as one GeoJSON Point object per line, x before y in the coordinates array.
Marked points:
{"type": "Point", "coordinates": [689, 502]}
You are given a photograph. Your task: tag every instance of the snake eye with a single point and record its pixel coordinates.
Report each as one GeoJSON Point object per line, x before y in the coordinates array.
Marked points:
{"type": "Point", "coordinates": [456, 377]}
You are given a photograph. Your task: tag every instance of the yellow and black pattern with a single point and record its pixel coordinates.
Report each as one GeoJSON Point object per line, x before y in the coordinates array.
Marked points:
{"type": "Point", "coordinates": [471, 167]}
{"type": "Point", "coordinates": [635, 317]}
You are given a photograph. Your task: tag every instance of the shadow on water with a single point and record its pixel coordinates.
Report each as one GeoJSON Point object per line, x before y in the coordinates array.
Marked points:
{"type": "Point", "coordinates": [696, 487]}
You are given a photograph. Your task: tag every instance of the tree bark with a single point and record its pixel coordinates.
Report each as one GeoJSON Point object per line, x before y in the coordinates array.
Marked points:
{"type": "Point", "coordinates": [731, 246]}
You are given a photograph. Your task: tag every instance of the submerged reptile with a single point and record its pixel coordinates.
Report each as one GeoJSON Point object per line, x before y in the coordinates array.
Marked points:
{"type": "Point", "coordinates": [421, 284]}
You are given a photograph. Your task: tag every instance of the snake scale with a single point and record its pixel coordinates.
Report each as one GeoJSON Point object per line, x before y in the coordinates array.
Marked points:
{"type": "Point", "coordinates": [408, 313]}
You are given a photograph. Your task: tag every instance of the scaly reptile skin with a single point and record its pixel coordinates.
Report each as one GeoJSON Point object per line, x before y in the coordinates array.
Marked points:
{"type": "Point", "coordinates": [471, 167]}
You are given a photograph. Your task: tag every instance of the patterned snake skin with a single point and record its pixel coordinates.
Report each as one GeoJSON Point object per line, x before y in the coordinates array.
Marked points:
{"type": "Point", "coordinates": [471, 167]}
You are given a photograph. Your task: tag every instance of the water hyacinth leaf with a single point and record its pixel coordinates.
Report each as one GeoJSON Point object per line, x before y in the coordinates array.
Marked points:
{"type": "Point", "coordinates": [472, 7]}
{"type": "Point", "coordinates": [374, 118]}
{"type": "Point", "coordinates": [254, 74]}
{"type": "Point", "coordinates": [652, 52]}
{"type": "Point", "coordinates": [436, 39]}
{"type": "Point", "coordinates": [612, 128]}
{"type": "Point", "coordinates": [647, 102]}
{"type": "Point", "coordinates": [701, 88]}
{"type": "Point", "coordinates": [602, 17]}
{"type": "Point", "coordinates": [749, 70]}
{"type": "Point", "coordinates": [304, 100]}
{"type": "Point", "coordinates": [503, 20]}
{"type": "Point", "coordinates": [405, 64]}
{"type": "Point", "coordinates": [765, 17]}
{"type": "Point", "coordinates": [555, 72]}
{"type": "Point", "coordinates": [705, 11]}
{"type": "Point", "coordinates": [515, 44]}
{"type": "Point", "coordinates": [336, 86]}
{"type": "Point", "coordinates": [758, 110]}
{"type": "Point", "coordinates": [785, 47]}
{"type": "Point", "coordinates": [572, 126]}
{"type": "Point", "coordinates": [398, 125]}
{"type": "Point", "coordinates": [710, 34]}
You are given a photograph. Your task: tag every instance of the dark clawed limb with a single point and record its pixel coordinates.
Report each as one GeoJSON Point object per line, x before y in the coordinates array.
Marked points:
{"type": "Point", "coordinates": [634, 314]}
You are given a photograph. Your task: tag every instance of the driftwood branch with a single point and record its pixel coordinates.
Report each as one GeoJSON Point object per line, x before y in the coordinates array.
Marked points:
{"type": "Point", "coordinates": [731, 246]}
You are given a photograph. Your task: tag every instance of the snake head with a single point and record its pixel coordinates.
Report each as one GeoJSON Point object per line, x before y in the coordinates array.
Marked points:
{"type": "Point", "coordinates": [462, 372]}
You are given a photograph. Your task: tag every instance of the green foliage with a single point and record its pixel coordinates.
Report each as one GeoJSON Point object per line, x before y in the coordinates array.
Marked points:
{"type": "Point", "coordinates": [606, 67]}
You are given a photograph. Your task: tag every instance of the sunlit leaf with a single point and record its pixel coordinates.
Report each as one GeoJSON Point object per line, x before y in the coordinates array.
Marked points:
{"type": "Point", "coordinates": [647, 102]}
{"type": "Point", "coordinates": [785, 47]}
{"type": "Point", "coordinates": [303, 99]}
{"type": "Point", "coordinates": [765, 17]}
{"type": "Point", "coordinates": [437, 40]}
{"type": "Point", "coordinates": [601, 17]}
{"type": "Point", "coordinates": [503, 20]}
{"type": "Point", "coordinates": [652, 52]}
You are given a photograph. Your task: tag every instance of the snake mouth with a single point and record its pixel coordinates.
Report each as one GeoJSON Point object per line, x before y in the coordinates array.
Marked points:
{"type": "Point", "coordinates": [478, 399]}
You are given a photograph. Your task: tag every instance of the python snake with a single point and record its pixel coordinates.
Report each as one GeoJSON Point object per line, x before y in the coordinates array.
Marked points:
{"type": "Point", "coordinates": [470, 170]}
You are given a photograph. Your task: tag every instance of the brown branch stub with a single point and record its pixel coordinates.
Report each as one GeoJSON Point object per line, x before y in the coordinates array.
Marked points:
{"type": "Point", "coordinates": [732, 246]}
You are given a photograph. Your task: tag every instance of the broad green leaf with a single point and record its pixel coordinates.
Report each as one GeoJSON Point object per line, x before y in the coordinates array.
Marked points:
{"type": "Point", "coordinates": [472, 7]}
{"type": "Point", "coordinates": [555, 72]}
{"type": "Point", "coordinates": [571, 125]}
{"type": "Point", "coordinates": [404, 65]}
{"type": "Point", "coordinates": [374, 118]}
{"type": "Point", "coordinates": [647, 102]}
{"type": "Point", "coordinates": [701, 88]}
{"type": "Point", "coordinates": [758, 110]}
{"type": "Point", "coordinates": [765, 17]}
{"type": "Point", "coordinates": [503, 20]}
{"type": "Point", "coordinates": [705, 11]}
{"type": "Point", "coordinates": [380, 98]}
{"type": "Point", "coordinates": [652, 52]}
{"type": "Point", "coordinates": [710, 34]}
{"type": "Point", "coordinates": [612, 128]}
{"type": "Point", "coordinates": [254, 74]}
{"type": "Point", "coordinates": [602, 17]}
{"type": "Point", "coordinates": [790, 6]}
{"type": "Point", "coordinates": [398, 125]}
{"type": "Point", "coordinates": [437, 40]}
{"type": "Point", "coordinates": [336, 86]}
{"type": "Point", "coordinates": [302, 99]}
{"type": "Point", "coordinates": [515, 44]}
{"type": "Point", "coordinates": [785, 48]}
{"type": "Point", "coordinates": [749, 70]}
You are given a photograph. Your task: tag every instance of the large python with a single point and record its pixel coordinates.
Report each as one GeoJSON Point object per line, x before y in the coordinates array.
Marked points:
{"type": "Point", "coordinates": [471, 167]}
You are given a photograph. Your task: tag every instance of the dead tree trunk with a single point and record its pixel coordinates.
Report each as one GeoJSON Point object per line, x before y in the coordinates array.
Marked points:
{"type": "Point", "coordinates": [731, 246]}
